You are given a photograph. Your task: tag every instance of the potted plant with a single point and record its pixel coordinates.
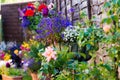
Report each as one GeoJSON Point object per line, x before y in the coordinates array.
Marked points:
{"type": "Point", "coordinates": [32, 57]}
{"type": "Point", "coordinates": [54, 61]}
{"type": "Point", "coordinates": [11, 73]}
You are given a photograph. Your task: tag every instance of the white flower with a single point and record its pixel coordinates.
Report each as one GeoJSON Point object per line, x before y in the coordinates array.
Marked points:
{"type": "Point", "coordinates": [50, 6]}
{"type": "Point", "coordinates": [71, 33]}
{"type": "Point", "coordinates": [3, 63]}
{"type": "Point", "coordinates": [86, 71]}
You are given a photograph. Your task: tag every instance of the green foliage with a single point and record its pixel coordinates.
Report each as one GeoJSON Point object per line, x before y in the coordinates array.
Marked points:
{"type": "Point", "coordinates": [89, 40]}
{"type": "Point", "coordinates": [54, 67]}
{"type": "Point", "coordinates": [34, 22]}
{"type": "Point", "coordinates": [11, 71]}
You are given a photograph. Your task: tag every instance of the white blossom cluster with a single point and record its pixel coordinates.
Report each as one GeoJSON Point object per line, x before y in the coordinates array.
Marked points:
{"type": "Point", "coordinates": [70, 34]}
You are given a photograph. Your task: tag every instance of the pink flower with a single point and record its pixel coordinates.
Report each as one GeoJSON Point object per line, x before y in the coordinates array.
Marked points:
{"type": "Point", "coordinates": [50, 6]}
{"type": "Point", "coordinates": [106, 28]}
{"type": "Point", "coordinates": [49, 54]}
{"type": "Point", "coordinates": [2, 54]}
{"type": "Point", "coordinates": [21, 12]}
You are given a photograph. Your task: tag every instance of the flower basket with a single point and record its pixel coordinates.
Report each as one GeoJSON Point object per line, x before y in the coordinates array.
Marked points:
{"type": "Point", "coordinates": [5, 77]}
{"type": "Point", "coordinates": [34, 76]}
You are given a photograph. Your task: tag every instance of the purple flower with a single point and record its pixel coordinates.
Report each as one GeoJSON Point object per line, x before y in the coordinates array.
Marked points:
{"type": "Point", "coordinates": [25, 22]}
{"type": "Point", "coordinates": [30, 7]}
{"type": "Point", "coordinates": [52, 27]}
{"type": "Point", "coordinates": [52, 12]}
{"type": "Point", "coordinates": [8, 65]}
{"type": "Point", "coordinates": [32, 64]}
{"type": "Point", "coordinates": [71, 10]}
{"type": "Point", "coordinates": [45, 12]}
{"type": "Point", "coordinates": [20, 12]}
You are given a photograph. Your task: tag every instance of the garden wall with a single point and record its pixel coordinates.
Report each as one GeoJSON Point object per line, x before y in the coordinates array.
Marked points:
{"type": "Point", "coordinates": [10, 16]}
{"type": "Point", "coordinates": [11, 24]}
{"type": "Point", "coordinates": [91, 7]}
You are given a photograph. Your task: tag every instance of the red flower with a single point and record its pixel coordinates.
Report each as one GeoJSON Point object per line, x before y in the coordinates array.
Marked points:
{"type": "Point", "coordinates": [42, 6]}
{"type": "Point", "coordinates": [29, 13]}
{"type": "Point", "coordinates": [31, 5]}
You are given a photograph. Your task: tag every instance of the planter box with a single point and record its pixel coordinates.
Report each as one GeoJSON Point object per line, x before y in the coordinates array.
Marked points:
{"type": "Point", "coordinates": [4, 77]}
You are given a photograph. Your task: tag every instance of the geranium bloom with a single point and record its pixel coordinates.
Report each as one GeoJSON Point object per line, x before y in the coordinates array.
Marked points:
{"type": "Point", "coordinates": [42, 6]}
{"type": "Point", "coordinates": [29, 13]}
{"type": "Point", "coordinates": [49, 54]}
{"type": "Point", "coordinates": [31, 5]}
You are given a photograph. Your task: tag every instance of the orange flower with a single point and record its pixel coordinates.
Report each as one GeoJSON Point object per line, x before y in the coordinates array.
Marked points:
{"type": "Point", "coordinates": [16, 52]}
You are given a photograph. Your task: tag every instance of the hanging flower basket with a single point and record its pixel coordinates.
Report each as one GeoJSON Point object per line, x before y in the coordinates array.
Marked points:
{"type": "Point", "coordinates": [5, 77]}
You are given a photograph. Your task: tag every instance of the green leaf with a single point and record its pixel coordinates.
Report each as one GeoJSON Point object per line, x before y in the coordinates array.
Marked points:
{"type": "Point", "coordinates": [107, 4]}
{"type": "Point", "coordinates": [83, 55]}
{"type": "Point", "coordinates": [114, 50]}
{"type": "Point", "coordinates": [107, 20]}
{"type": "Point", "coordinates": [88, 46]}
{"type": "Point", "coordinates": [115, 18]}
{"type": "Point", "coordinates": [108, 67]}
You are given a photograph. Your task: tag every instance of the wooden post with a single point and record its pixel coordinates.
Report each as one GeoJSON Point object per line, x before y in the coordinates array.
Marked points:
{"type": "Point", "coordinates": [65, 8]}
{"type": "Point", "coordinates": [72, 12]}
{"type": "Point", "coordinates": [59, 5]}
{"type": "Point", "coordinates": [89, 9]}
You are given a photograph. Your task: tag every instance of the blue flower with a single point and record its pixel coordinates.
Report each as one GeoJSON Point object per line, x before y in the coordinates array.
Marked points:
{"type": "Point", "coordinates": [25, 22]}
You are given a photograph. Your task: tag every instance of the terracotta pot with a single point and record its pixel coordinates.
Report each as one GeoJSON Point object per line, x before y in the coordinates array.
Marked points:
{"type": "Point", "coordinates": [34, 76]}
{"type": "Point", "coordinates": [5, 77]}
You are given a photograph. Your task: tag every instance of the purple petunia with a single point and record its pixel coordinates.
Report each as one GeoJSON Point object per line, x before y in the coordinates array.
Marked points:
{"type": "Point", "coordinates": [45, 12]}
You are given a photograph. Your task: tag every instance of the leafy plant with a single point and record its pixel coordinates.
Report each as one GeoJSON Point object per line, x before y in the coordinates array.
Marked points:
{"type": "Point", "coordinates": [11, 71]}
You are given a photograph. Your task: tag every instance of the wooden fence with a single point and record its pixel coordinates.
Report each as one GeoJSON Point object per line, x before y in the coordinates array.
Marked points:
{"type": "Point", "coordinates": [10, 22]}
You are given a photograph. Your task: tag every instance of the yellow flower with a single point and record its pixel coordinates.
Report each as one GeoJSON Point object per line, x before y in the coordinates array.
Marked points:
{"type": "Point", "coordinates": [16, 52]}
{"type": "Point", "coordinates": [7, 57]}
{"type": "Point", "coordinates": [26, 45]}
